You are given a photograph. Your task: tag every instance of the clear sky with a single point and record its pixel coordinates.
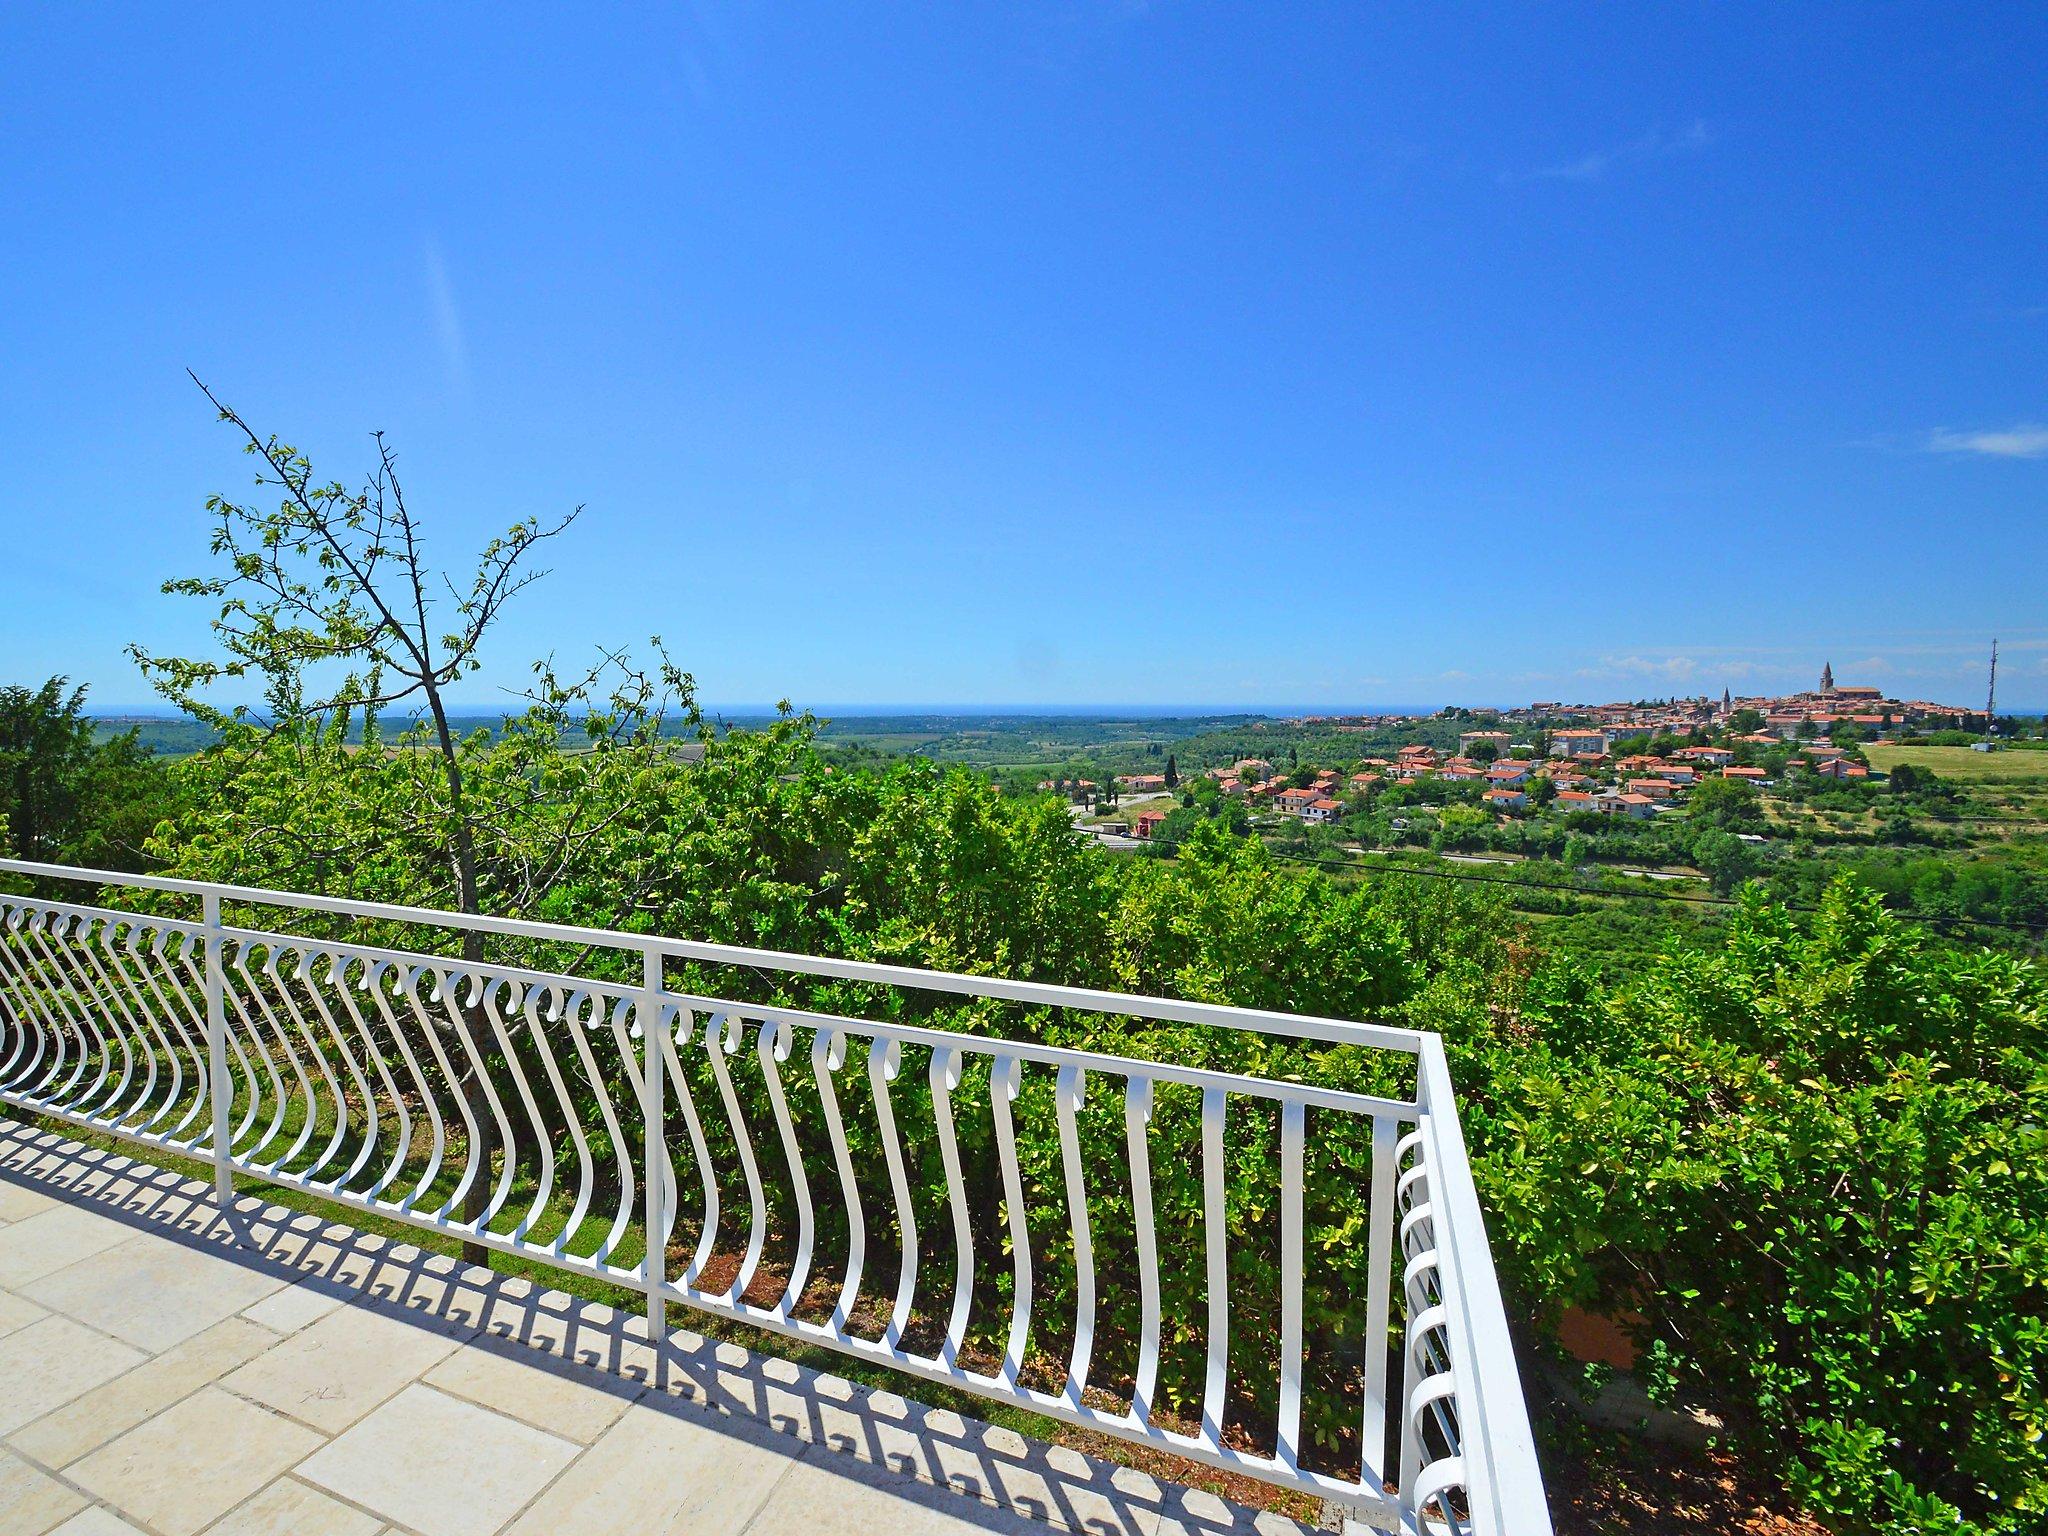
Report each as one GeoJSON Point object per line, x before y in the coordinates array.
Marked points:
{"type": "Point", "coordinates": [1065, 352]}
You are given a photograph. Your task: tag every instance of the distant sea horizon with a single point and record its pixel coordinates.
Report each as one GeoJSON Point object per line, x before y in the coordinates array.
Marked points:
{"type": "Point", "coordinates": [1044, 711]}
{"type": "Point", "coordinates": [757, 711]}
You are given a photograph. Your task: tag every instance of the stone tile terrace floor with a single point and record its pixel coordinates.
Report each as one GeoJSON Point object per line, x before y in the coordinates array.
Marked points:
{"type": "Point", "coordinates": [166, 1370]}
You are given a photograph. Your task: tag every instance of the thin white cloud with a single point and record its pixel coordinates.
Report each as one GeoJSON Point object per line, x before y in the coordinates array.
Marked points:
{"type": "Point", "coordinates": [2025, 440]}
{"type": "Point", "coordinates": [1670, 669]}
{"type": "Point", "coordinates": [447, 320]}
{"type": "Point", "coordinates": [1657, 144]}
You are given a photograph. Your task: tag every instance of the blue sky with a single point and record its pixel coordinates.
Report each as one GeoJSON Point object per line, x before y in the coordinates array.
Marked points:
{"type": "Point", "coordinates": [1065, 353]}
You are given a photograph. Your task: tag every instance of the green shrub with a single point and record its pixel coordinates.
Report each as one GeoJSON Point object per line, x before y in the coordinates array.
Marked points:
{"type": "Point", "coordinates": [1812, 1164]}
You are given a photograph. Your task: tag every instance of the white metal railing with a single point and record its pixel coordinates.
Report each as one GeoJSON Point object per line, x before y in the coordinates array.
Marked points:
{"type": "Point", "coordinates": [523, 1109]}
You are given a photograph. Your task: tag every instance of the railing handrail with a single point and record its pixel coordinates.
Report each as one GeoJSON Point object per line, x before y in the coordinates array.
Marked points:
{"type": "Point", "coordinates": [1041, 994]}
{"type": "Point", "coordinates": [1468, 1385]}
{"type": "Point", "coordinates": [1507, 1489]}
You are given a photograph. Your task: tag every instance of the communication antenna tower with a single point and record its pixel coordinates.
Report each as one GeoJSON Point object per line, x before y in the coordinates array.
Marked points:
{"type": "Point", "coordinates": [1991, 697]}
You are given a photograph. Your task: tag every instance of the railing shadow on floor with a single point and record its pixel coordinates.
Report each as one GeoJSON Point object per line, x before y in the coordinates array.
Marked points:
{"type": "Point", "coordinates": [607, 1349]}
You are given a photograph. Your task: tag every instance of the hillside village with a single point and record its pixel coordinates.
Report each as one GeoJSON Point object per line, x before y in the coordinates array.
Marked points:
{"type": "Point", "coordinates": [1629, 761]}
{"type": "Point", "coordinates": [1578, 771]}
{"type": "Point", "coordinates": [1815, 713]}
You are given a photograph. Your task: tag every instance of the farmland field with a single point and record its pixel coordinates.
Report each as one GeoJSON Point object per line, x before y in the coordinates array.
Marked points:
{"type": "Point", "coordinates": [1961, 762]}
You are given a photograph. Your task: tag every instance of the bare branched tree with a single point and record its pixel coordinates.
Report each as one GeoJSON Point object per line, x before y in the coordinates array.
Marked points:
{"type": "Point", "coordinates": [328, 600]}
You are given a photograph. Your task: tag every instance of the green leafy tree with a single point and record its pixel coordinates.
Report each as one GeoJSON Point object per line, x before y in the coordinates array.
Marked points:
{"type": "Point", "coordinates": [67, 797]}
{"type": "Point", "coordinates": [1732, 805]}
{"type": "Point", "coordinates": [1724, 858]}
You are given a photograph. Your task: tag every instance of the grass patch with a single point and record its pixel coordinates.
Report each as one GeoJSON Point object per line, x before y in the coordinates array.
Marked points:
{"type": "Point", "coordinates": [1962, 763]}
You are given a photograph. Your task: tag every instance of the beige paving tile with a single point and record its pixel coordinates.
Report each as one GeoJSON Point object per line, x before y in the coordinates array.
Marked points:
{"type": "Point", "coordinates": [90, 1421]}
{"type": "Point", "coordinates": [1193, 1512]}
{"type": "Point", "coordinates": [150, 1474]}
{"type": "Point", "coordinates": [334, 1372]}
{"type": "Point", "coordinates": [18, 1202]}
{"type": "Point", "coordinates": [150, 1291]}
{"type": "Point", "coordinates": [826, 1492]}
{"type": "Point", "coordinates": [1047, 1482]}
{"type": "Point", "coordinates": [54, 1238]}
{"type": "Point", "coordinates": [289, 1507]}
{"type": "Point", "coordinates": [97, 1521]}
{"type": "Point", "coordinates": [51, 1361]}
{"type": "Point", "coordinates": [32, 1501]}
{"type": "Point", "coordinates": [16, 1312]}
{"type": "Point", "coordinates": [714, 1473]}
{"type": "Point", "coordinates": [442, 1466]}
{"type": "Point", "coordinates": [294, 1307]}
{"type": "Point", "coordinates": [577, 1404]}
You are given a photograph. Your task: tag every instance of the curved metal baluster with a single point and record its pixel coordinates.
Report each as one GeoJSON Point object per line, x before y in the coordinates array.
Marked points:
{"type": "Point", "coordinates": [310, 1173]}
{"type": "Point", "coordinates": [482, 997]}
{"type": "Point", "coordinates": [74, 1030]}
{"type": "Point", "coordinates": [95, 934]}
{"type": "Point", "coordinates": [431, 1032]}
{"type": "Point", "coordinates": [707, 1236]}
{"type": "Point", "coordinates": [235, 1008]}
{"type": "Point", "coordinates": [160, 972]}
{"type": "Point", "coordinates": [622, 1219]}
{"type": "Point", "coordinates": [140, 1114]}
{"type": "Point", "coordinates": [170, 954]}
{"type": "Point", "coordinates": [162, 1065]}
{"type": "Point", "coordinates": [568, 1014]}
{"type": "Point", "coordinates": [408, 986]}
{"type": "Point", "coordinates": [145, 1110]}
{"type": "Point", "coordinates": [1072, 1085]}
{"type": "Point", "coordinates": [345, 989]}
{"type": "Point", "coordinates": [944, 1075]}
{"type": "Point", "coordinates": [95, 1102]}
{"type": "Point", "coordinates": [1214, 1220]}
{"type": "Point", "coordinates": [475, 1166]}
{"type": "Point", "coordinates": [718, 1045]}
{"type": "Point", "coordinates": [56, 1044]}
{"type": "Point", "coordinates": [373, 982]}
{"type": "Point", "coordinates": [27, 1031]}
{"type": "Point", "coordinates": [35, 1041]}
{"type": "Point", "coordinates": [89, 1050]}
{"type": "Point", "coordinates": [1006, 1079]}
{"type": "Point", "coordinates": [14, 999]}
{"type": "Point", "coordinates": [75, 1036]}
{"type": "Point", "coordinates": [339, 983]}
{"type": "Point", "coordinates": [523, 1000]}
{"type": "Point", "coordinates": [828, 1055]}
{"type": "Point", "coordinates": [53, 1045]}
{"type": "Point", "coordinates": [885, 1060]}
{"type": "Point", "coordinates": [139, 982]}
{"type": "Point", "coordinates": [773, 1045]}
{"type": "Point", "coordinates": [1292, 1122]}
{"type": "Point", "coordinates": [193, 958]}
{"type": "Point", "coordinates": [1137, 1116]}
{"type": "Point", "coordinates": [309, 1121]}
{"type": "Point", "coordinates": [43, 1037]}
